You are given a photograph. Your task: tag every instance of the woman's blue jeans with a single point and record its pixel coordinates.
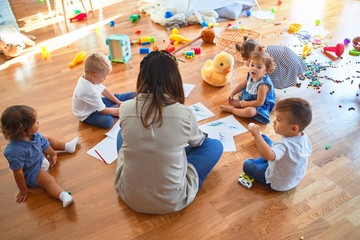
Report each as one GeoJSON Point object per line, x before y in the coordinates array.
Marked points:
{"type": "Point", "coordinates": [203, 157]}
{"type": "Point", "coordinates": [256, 168]}
{"type": "Point", "coordinates": [107, 120]}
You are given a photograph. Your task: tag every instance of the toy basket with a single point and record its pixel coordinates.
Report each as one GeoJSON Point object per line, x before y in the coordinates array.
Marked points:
{"type": "Point", "coordinates": [227, 39]}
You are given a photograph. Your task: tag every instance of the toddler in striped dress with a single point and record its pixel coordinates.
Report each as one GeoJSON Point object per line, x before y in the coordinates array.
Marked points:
{"type": "Point", "coordinates": [289, 66]}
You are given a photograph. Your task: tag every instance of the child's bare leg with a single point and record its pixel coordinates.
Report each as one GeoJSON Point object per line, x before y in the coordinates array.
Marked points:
{"type": "Point", "coordinates": [240, 112]}
{"type": "Point", "coordinates": [235, 103]}
{"type": "Point", "coordinates": [57, 145]}
{"type": "Point", "coordinates": [245, 112]}
{"type": "Point", "coordinates": [48, 182]}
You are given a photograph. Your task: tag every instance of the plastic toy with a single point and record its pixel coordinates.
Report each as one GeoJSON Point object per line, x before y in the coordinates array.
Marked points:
{"type": "Point", "coordinates": [111, 23]}
{"type": "Point", "coordinates": [134, 17]}
{"type": "Point", "coordinates": [79, 17]}
{"type": "Point", "coordinates": [217, 72]}
{"type": "Point", "coordinates": [170, 48]}
{"type": "Point", "coordinates": [317, 22]}
{"type": "Point", "coordinates": [207, 35]}
{"type": "Point", "coordinates": [168, 14]}
{"type": "Point", "coordinates": [338, 49]}
{"type": "Point", "coordinates": [147, 40]}
{"type": "Point", "coordinates": [353, 52]}
{"type": "Point", "coordinates": [119, 48]}
{"type": "Point", "coordinates": [79, 57]}
{"type": "Point", "coordinates": [346, 41]}
{"type": "Point", "coordinates": [248, 13]}
{"type": "Point", "coordinates": [294, 27]}
{"type": "Point", "coordinates": [245, 180]}
{"type": "Point", "coordinates": [144, 50]}
{"type": "Point", "coordinates": [45, 53]}
{"type": "Point", "coordinates": [356, 43]}
{"type": "Point", "coordinates": [273, 10]}
{"type": "Point", "coordinates": [177, 38]}
{"type": "Point", "coordinates": [189, 54]}
{"type": "Point", "coordinates": [307, 50]}
{"type": "Point", "coordinates": [279, 2]}
{"type": "Point", "coordinates": [197, 50]}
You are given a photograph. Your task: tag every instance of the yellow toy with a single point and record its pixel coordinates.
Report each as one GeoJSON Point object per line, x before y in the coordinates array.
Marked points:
{"type": "Point", "coordinates": [178, 38]}
{"type": "Point", "coordinates": [307, 50]}
{"type": "Point", "coordinates": [217, 72]}
{"type": "Point", "coordinates": [79, 57]}
{"type": "Point", "coordinates": [294, 28]}
{"type": "Point", "coordinates": [45, 53]}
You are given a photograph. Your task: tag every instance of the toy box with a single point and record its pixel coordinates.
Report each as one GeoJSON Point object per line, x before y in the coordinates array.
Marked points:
{"type": "Point", "coordinates": [119, 48]}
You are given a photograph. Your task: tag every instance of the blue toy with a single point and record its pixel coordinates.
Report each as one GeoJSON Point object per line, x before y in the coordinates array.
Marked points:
{"type": "Point", "coordinates": [119, 48]}
{"type": "Point", "coordinates": [144, 50]}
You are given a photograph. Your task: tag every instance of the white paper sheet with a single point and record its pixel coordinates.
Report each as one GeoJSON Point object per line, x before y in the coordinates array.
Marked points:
{"type": "Point", "coordinates": [201, 112]}
{"type": "Point", "coordinates": [224, 129]}
{"type": "Point", "coordinates": [114, 130]}
{"type": "Point", "coordinates": [188, 88]}
{"type": "Point", "coordinates": [106, 149]}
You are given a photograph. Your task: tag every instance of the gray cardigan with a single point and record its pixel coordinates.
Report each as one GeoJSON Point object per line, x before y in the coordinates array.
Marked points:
{"type": "Point", "coordinates": [153, 175]}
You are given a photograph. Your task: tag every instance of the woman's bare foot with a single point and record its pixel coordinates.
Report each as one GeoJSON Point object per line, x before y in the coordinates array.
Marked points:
{"type": "Point", "coordinates": [226, 108]}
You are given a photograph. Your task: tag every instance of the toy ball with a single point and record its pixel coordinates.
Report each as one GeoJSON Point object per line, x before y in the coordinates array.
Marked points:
{"type": "Point", "coordinates": [168, 14]}
{"type": "Point", "coordinates": [112, 23]}
{"type": "Point", "coordinates": [346, 41]}
{"type": "Point", "coordinates": [248, 13]}
{"type": "Point", "coordinates": [273, 10]}
{"type": "Point", "coordinates": [317, 22]}
{"type": "Point", "coordinates": [279, 2]}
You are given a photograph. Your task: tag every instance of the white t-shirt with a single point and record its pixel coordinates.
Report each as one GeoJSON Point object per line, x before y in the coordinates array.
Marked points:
{"type": "Point", "coordinates": [86, 99]}
{"type": "Point", "coordinates": [290, 163]}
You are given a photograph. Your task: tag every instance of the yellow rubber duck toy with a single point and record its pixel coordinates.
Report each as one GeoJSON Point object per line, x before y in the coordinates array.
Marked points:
{"type": "Point", "coordinates": [217, 72]}
{"type": "Point", "coordinates": [178, 38]}
{"type": "Point", "coordinates": [79, 57]}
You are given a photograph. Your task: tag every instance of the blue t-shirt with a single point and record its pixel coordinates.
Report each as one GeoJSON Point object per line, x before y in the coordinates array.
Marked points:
{"type": "Point", "coordinates": [28, 156]}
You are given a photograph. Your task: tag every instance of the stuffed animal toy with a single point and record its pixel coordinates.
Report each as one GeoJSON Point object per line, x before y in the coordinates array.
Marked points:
{"type": "Point", "coordinates": [12, 42]}
{"type": "Point", "coordinates": [217, 72]}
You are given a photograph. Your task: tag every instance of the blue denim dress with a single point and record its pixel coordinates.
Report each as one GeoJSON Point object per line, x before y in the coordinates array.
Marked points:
{"type": "Point", "coordinates": [250, 94]}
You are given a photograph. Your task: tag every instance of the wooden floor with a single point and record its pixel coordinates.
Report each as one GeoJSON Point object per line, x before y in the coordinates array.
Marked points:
{"type": "Point", "coordinates": [325, 205]}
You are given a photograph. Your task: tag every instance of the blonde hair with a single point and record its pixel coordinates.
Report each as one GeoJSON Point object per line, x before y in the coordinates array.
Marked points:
{"type": "Point", "coordinates": [97, 63]}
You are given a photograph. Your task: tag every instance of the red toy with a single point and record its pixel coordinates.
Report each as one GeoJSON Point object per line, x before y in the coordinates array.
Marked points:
{"type": "Point", "coordinates": [79, 17]}
{"type": "Point", "coordinates": [338, 49]}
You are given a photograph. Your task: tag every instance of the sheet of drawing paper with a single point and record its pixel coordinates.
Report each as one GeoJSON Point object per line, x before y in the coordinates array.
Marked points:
{"type": "Point", "coordinates": [113, 132]}
{"type": "Point", "coordinates": [106, 148]}
{"type": "Point", "coordinates": [201, 112]}
{"type": "Point", "coordinates": [188, 88]}
{"type": "Point", "coordinates": [224, 130]}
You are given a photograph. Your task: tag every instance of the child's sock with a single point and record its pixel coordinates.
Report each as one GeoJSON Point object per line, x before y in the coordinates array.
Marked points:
{"type": "Point", "coordinates": [71, 146]}
{"type": "Point", "coordinates": [66, 198]}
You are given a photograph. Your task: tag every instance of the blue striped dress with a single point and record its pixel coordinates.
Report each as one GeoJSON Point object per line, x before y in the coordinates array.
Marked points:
{"type": "Point", "coordinates": [289, 66]}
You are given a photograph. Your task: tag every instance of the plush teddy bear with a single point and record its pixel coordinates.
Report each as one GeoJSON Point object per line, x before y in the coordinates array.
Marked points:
{"type": "Point", "coordinates": [12, 42]}
{"type": "Point", "coordinates": [217, 72]}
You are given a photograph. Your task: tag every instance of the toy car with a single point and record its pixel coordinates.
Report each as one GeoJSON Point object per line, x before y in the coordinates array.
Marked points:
{"type": "Point", "coordinates": [245, 180]}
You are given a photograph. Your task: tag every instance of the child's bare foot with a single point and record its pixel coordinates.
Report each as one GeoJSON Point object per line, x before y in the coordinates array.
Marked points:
{"type": "Point", "coordinates": [235, 103]}
{"type": "Point", "coordinates": [226, 108]}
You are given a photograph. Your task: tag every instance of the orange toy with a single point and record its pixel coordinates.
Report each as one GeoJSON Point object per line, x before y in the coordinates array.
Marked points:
{"type": "Point", "coordinates": [79, 57]}
{"type": "Point", "coordinates": [207, 35]}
